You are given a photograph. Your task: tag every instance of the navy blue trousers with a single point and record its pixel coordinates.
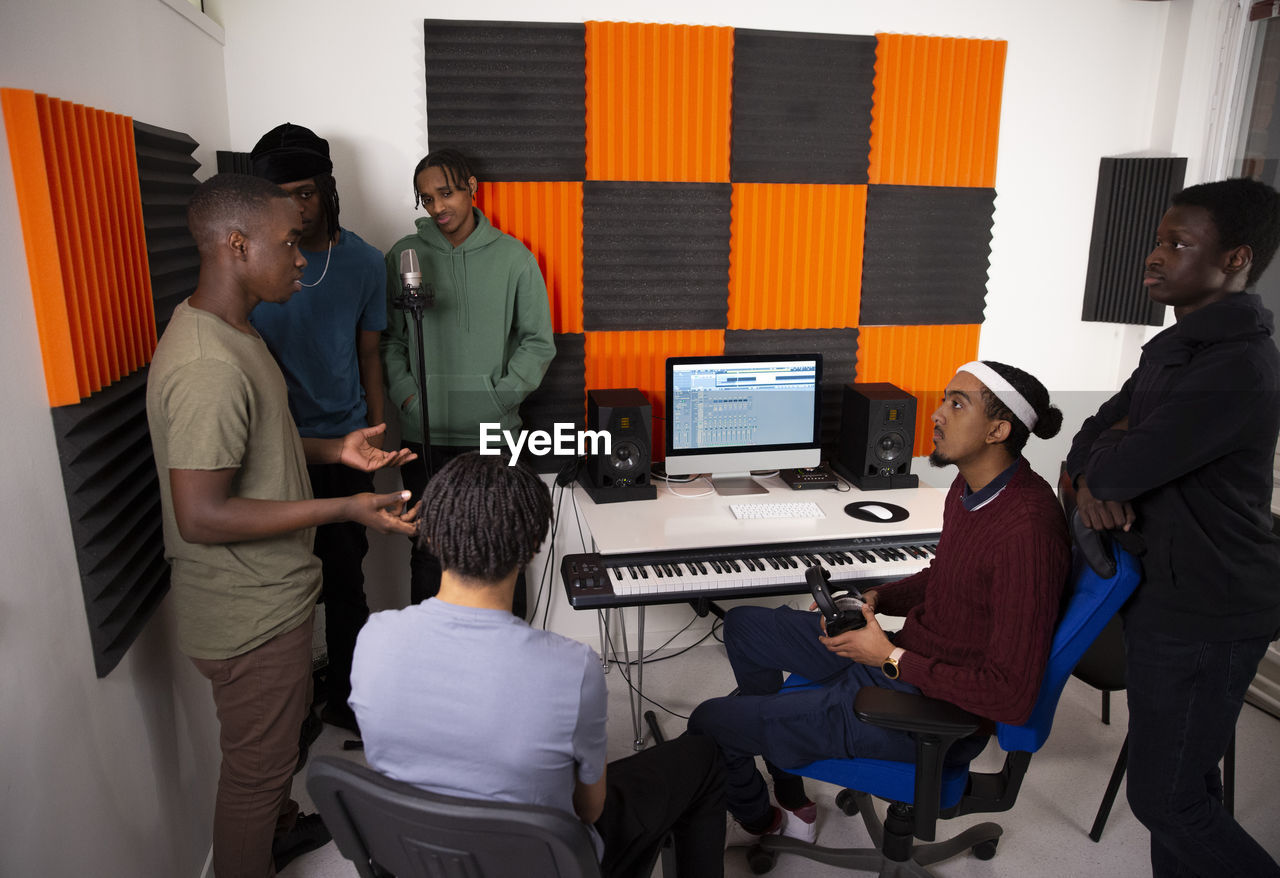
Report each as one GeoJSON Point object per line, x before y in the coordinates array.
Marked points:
{"type": "Point", "coordinates": [1184, 699]}
{"type": "Point", "coordinates": [792, 728]}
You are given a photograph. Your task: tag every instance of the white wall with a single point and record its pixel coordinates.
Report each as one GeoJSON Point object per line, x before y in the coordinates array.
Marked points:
{"type": "Point", "coordinates": [113, 776]}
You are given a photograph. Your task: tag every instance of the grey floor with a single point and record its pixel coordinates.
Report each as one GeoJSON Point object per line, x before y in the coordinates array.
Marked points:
{"type": "Point", "coordinates": [1045, 833]}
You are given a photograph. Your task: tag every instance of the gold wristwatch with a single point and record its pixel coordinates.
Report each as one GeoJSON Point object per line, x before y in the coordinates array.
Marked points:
{"type": "Point", "coordinates": [890, 664]}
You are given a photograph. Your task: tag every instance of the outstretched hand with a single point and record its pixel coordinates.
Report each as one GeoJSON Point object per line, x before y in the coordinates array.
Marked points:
{"type": "Point", "coordinates": [867, 646]}
{"type": "Point", "coordinates": [359, 453]}
{"type": "Point", "coordinates": [385, 513]}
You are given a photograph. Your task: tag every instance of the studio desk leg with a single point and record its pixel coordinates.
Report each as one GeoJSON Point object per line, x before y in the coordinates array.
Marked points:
{"type": "Point", "coordinates": [635, 691]}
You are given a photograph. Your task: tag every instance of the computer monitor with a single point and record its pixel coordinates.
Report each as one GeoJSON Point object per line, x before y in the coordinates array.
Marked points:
{"type": "Point", "coordinates": [729, 415]}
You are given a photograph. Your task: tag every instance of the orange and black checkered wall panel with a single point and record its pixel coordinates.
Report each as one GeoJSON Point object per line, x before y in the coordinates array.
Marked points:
{"type": "Point", "coordinates": [821, 190]}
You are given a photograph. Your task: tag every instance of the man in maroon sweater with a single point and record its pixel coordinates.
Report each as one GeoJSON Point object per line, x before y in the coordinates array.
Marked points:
{"type": "Point", "coordinates": [979, 618]}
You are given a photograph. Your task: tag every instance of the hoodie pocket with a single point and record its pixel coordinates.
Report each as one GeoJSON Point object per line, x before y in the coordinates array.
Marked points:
{"type": "Point", "coordinates": [461, 403]}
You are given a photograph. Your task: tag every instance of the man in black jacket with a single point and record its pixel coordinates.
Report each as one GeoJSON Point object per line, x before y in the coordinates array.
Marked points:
{"type": "Point", "coordinates": [1184, 452]}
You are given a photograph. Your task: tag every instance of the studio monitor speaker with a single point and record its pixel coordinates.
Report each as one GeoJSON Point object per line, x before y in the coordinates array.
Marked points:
{"type": "Point", "coordinates": [877, 434]}
{"type": "Point", "coordinates": [622, 473]}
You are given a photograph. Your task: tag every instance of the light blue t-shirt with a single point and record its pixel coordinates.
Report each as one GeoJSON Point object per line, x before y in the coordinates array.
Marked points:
{"type": "Point", "coordinates": [475, 703]}
{"type": "Point", "coordinates": [313, 335]}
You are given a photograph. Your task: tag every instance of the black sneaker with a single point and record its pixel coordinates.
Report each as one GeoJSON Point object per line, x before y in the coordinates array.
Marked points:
{"type": "Point", "coordinates": [340, 715]}
{"type": "Point", "coordinates": [308, 833]}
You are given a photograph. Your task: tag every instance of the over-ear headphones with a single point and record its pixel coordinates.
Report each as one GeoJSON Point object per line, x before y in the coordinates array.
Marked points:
{"type": "Point", "coordinates": [568, 472]}
{"type": "Point", "coordinates": [843, 611]}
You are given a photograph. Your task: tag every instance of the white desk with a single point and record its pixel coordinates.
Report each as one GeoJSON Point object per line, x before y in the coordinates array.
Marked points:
{"type": "Point", "coordinates": [691, 517]}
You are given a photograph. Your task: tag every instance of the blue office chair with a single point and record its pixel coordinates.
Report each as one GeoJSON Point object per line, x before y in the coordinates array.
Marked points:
{"type": "Point", "coordinates": [929, 789]}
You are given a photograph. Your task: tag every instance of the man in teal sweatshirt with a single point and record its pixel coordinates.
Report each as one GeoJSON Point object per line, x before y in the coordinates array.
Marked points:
{"type": "Point", "coordinates": [487, 336]}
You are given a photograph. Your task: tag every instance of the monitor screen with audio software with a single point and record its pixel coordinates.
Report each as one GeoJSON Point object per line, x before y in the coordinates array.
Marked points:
{"type": "Point", "coordinates": [729, 415]}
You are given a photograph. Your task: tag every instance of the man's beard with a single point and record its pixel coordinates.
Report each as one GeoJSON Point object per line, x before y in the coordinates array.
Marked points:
{"type": "Point", "coordinates": [937, 458]}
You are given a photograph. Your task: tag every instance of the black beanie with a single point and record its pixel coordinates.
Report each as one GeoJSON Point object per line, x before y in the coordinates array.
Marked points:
{"type": "Point", "coordinates": [288, 153]}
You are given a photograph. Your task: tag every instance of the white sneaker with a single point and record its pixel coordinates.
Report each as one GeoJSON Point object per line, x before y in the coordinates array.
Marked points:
{"type": "Point", "coordinates": [791, 824]}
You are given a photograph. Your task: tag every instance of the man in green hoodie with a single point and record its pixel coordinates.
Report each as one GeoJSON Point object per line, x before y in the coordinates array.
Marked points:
{"type": "Point", "coordinates": [486, 337]}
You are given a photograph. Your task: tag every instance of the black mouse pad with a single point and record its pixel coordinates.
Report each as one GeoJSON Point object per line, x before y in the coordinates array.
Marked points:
{"type": "Point", "coordinates": [859, 511]}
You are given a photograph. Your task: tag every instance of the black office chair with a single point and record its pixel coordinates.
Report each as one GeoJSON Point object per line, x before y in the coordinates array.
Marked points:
{"type": "Point", "coordinates": [389, 828]}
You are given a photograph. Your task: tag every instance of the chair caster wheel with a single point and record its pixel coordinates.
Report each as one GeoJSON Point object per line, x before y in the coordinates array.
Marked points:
{"type": "Point", "coordinates": [760, 860]}
{"type": "Point", "coordinates": [985, 850]}
{"type": "Point", "coordinates": [847, 801]}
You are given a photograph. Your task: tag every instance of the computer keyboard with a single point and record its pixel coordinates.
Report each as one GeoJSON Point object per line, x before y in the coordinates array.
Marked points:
{"type": "Point", "coordinates": [776, 510]}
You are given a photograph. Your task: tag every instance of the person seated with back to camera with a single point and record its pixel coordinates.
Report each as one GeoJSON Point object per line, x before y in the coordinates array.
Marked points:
{"type": "Point", "coordinates": [461, 697]}
{"type": "Point", "coordinates": [979, 619]}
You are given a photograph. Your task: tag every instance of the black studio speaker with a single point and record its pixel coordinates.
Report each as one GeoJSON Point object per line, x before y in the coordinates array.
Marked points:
{"type": "Point", "coordinates": [877, 433]}
{"type": "Point", "coordinates": [623, 473]}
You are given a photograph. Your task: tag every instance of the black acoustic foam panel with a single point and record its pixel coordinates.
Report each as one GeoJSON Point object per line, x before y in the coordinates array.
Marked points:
{"type": "Point", "coordinates": [839, 349]}
{"type": "Point", "coordinates": [801, 107]}
{"type": "Point", "coordinates": [113, 497]}
{"type": "Point", "coordinates": [166, 177]}
{"type": "Point", "coordinates": [230, 162]}
{"type": "Point", "coordinates": [1133, 193]}
{"type": "Point", "coordinates": [655, 255]}
{"type": "Point", "coordinates": [559, 399]}
{"type": "Point", "coordinates": [926, 254]}
{"type": "Point", "coordinates": [510, 96]}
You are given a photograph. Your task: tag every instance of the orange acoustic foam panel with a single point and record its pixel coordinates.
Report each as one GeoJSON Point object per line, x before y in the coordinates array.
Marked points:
{"type": "Point", "coordinates": [79, 203]}
{"type": "Point", "coordinates": [919, 359]}
{"type": "Point", "coordinates": [639, 359]}
{"type": "Point", "coordinates": [546, 218]}
{"type": "Point", "coordinates": [658, 102]}
{"type": "Point", "coordinates": [935, 120]}
{"type": "Point", "coordinates": [796, 256]}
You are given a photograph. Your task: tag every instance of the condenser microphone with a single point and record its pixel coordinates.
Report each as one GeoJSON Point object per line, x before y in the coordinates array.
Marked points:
{"type": "Point", "coordinates": [410, 272]}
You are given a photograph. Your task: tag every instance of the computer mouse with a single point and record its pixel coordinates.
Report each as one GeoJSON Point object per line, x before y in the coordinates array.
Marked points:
{"type": "Point", "coordinates": [878, 511]}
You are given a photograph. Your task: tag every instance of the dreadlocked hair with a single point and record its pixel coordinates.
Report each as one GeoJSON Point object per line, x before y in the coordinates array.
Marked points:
{"type": "Point", "coordinates": [453, 164]}
{"type": "Point", "coordinates": [327, 190]}
{"type": "Point", "coordinates": [1048, 416]}
{"type": "Point", "coordinates": [483, 516]}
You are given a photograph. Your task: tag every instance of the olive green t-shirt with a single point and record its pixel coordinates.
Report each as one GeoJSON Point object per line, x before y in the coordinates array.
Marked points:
{"type": "Point", "coordinates": [216, 400]}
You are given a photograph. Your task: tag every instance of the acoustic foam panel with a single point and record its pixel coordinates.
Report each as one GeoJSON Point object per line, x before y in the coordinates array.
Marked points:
{"type": "Point", "coordinates": [509, 95]}
{"type": "Point", "coordinates": [640, 271]}
{"type": "Point", "coordinates": [77, 186]}
{"type": "Point", "coordinates": [113, 497]}
{"type": "Point", "coordinates": [919, 359]}
{"type": "Point", "coordinates": [927, 251]}
{"type": "Point", "coordinates": [1133, 194]}
{"type": "Point", "coordinates": [839, 349]}
{"type": "Point", "coordinates": [658, 102]}
{"type": "Point", "coordinates": [639, 359]}
{"type": "Point", "coordinates": [788, 273]}
{"type": "Point", "coordinates": [801, 107]}
{"type": "Point", "coordinates": [230, 162]}
{"type": "Point", "coordinates": [166, 179]}
{"type": "Point", "coordinates": [559, 399]}
{"type": "Point", "coordinates": [546, 218]}
{"type": "Point", "coordinates": [936, 117]}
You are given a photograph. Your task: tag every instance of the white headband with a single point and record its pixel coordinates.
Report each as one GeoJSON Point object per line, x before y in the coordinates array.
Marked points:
{"type": "Point", "coordinates": [1003, 390]}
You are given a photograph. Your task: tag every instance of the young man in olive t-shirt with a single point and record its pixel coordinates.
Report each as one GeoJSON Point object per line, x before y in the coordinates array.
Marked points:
{"type": "Point", "coordinates": [239, 515]}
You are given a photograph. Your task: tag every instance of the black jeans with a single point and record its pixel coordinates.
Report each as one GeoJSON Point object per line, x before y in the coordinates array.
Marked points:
{"type": "Point", "coordinates": [341, 548]}
{"type": "Point", "coordinates": [676, 787]}
{"type": "Point", "coordinates": [424, 567]}
{"type": "Point", "coordinates": [1184, 699]}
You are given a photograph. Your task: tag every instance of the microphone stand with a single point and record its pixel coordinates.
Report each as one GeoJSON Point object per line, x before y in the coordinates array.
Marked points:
{"type": "Point", "coordinates": [414, 300]}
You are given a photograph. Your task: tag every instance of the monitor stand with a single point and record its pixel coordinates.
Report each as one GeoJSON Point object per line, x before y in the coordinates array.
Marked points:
{"type": "Point", "coordinates": [736, 484]}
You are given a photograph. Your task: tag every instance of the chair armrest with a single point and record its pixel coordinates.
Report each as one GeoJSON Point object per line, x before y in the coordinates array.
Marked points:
{"type": "Point", "coordinates": [935, 725]}
{"type": "Point", "coordinates": [907, 712]}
